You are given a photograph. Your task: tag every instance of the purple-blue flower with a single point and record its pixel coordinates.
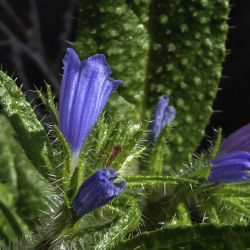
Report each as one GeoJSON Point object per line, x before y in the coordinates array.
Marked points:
{"type": "Point", "coordinates": [85, 89]}
{"type": "Point", "coordinates": [231, 167]}
{"type": "Point", "coordinates": [96, 191]}
{"type": "Point", "coordinates": [232, 163]}
{"type": "Point", "coordinates": [162, 116]}
{"type": "Point", "coordinates": [238, 141]}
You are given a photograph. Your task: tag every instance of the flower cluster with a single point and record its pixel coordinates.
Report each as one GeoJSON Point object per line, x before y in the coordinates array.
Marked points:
{"type": "Point", "coordinates": [85, 89]}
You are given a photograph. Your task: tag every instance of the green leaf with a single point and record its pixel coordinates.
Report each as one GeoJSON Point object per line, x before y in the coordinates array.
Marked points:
{"type": "Point", "coordinates": [4, 238]}
{"type": "Point", "coordinates": [201, 174]}
{"type": "Point", "coordinates": [64, 167]}
{"type": "Point", "coordinates": [109, 132]}
{"type": "Point", "coordinates": [231, 190]}
{"type": "Point", "coordinates": [11, 218]}
{"type": "Point", "coordinates": [127, 223]}
{"type": "Point", "coordinates": [29, 131]}
{"type": "Point", "coordinates": [186, 52]}
{"type": "Point", "coordinates": [57, 222]}
{"type": "Point", "coordinates": [204, 236]}
{"type": "Point", "coordinates": [104, 227]}
{"type": "Point", "coordinates": [216, 203]}
{"type": "Point", "coordinates": [161, 47]}
{"type": "Point", "coordinates": [8, 174]}
{"type": "Point", "coordinates": [48, 102]}
{"type": "Point", "coordinates": [113, 28]}
{"type": "Point", "coordinates": [20, 187]}
{"type": "Point", "coordinates": [217, 143]}
{"type": "Point", "coordinates": [31, 190]}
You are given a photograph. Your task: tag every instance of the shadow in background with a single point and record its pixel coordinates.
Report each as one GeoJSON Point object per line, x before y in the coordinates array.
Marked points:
{"type": "Point", "coordinates": [232, 104]}
{"type": "Point", "coordinates": [34, 35]}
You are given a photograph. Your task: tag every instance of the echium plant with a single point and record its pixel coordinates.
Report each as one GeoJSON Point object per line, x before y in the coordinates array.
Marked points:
{"type": "Point", "coordinates": [116, 167]}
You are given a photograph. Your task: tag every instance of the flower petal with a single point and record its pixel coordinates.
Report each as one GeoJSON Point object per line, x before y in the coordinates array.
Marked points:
{"type": "Point", "coordinates": [238, 141]}
{"type": "Point", "coordinates": [162, 116]}
{"type": "Point", "coordinates": [86, 87]}
{"type": "Point", "coordinates": [232, 167]}
{"type": "Point", "coordinates": [96, 191]}
{"type": "Point", "coordinates": [71, 66]}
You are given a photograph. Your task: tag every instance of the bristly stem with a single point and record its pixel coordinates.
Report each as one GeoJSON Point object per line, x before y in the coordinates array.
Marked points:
{"type": "Point", "coordinates": [64, 219]}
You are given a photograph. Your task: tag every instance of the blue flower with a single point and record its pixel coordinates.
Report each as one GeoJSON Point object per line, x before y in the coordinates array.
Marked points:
{"type": "Point", "coordinates": [232, 163]}
{"type": "Point", "coordinates": [238, 141]}
{"type": "Point", "coordinates": [96, 191]}
{"type": "Point", "coordinates": [162, 116]}
{"type": "Point", "coordinates": [232, 167]}
{"type": "Point", "coordinates": [85, 89]}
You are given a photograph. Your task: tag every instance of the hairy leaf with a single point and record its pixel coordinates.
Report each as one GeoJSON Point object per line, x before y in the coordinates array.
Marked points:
{"type": "Point", "coordinates": [204, 236]}
{"type": "Point", "coordinates": [29, 130]}
{"type": "Point", "coordinates": [186, 52]}
{"type": "Point", "coordinates": [113, 28]}
{"type": "Point", "coordinates": [161, 47]}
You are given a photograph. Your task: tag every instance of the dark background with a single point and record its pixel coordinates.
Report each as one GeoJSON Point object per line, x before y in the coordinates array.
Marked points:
{"type": "Point", "coordinates": [48, 27]}
{"type": "Point", "coordinates": [232, 105]}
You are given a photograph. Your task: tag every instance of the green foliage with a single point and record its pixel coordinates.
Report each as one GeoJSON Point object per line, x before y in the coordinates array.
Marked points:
{"type": "Point", "coordinates": [158, 154]}
{"type": "Point", "coordinates": [63, 169]}
{"type": "Point", "coordinates": [206, 236]}
{"type": "Point", "coordinates": [103, 232]}
{"type": "Point", "coordinates": [12, 221]}
{"type": "Point", "coordinates": [30, 132]}
{"type": "Point", "coordinates": [21, 189]}
{"type": "Point", "coordinates": [100, 229]}
{"type": "Point", "coordinates": [161, 47]}
{"type": "Point", "coordinates": [186, 53]}
{"type": "Point", "coordinates": [48, 102]}
{"type": "Point", "coordinates": [156, 47]}
{"type": "Point", "coordinates": [128, 222]}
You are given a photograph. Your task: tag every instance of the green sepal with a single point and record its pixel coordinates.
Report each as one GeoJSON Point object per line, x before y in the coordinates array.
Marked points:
{"type": "Point", "coordinates": [64, 168]}
{"type": "Point", "coordinates": [108, 133]}
{"type": "Point", "coordinates": [75, 183]}
{"type": "Point", "coordinates": [201, 174]}
{"type": "Point", "coordinates": [127, 223]}
{"type": "Point", "coordinates": [49, 103]}
{"type": "Point", "coordinates": [217, 144]}
{"type": "Point", "coordinates": [158, 154]}
{"type": "Point", "coordinates": [105, 227]}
